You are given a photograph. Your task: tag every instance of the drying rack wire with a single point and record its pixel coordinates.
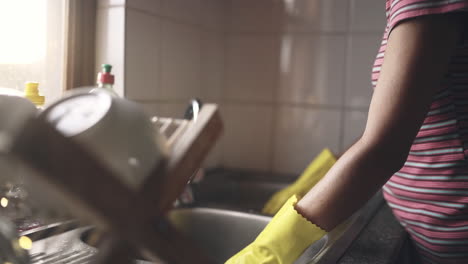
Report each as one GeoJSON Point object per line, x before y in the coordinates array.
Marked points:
{"type": "Point", "coordinates": [134, 221]}
{"type": "Point", "coordinates": [172, 129]}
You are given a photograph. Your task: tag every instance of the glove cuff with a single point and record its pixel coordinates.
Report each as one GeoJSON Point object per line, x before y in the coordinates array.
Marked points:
{"type": "Point", "coordinates": [289, 233]}
{"type": "Point", "coordinates": [303, 228]}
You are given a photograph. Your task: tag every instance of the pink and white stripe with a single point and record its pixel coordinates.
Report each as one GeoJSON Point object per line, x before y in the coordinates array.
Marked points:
{"type": "Point", "coordinates": [429, 195]}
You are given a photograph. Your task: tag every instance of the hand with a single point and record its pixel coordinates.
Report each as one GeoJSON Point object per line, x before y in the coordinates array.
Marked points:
{"type": "Point", "coordinates": [282, 241]}
{"type": "Point", "coordinates": [311, 175]}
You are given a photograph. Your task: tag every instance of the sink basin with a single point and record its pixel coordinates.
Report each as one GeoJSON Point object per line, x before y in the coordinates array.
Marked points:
{"type": "Point", "coordinates": [222, 233]}
{"type": "Point", "coordinates": [220, 225]}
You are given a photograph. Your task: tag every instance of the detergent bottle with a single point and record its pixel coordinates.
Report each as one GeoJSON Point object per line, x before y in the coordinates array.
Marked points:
{"type": "Point", "coordinates": [31, 92]}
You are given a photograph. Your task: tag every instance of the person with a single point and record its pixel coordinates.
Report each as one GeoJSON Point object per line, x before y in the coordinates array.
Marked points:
{"type": "Point", "coordinates": [414, 144]}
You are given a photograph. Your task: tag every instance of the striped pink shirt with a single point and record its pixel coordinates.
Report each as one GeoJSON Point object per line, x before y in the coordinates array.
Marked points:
{"type": "Point", "coordinates": [429, 195]}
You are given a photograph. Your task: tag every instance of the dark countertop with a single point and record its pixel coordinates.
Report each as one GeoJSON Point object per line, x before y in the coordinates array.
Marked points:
{"type": "Point", "coordinates": [380, 242]}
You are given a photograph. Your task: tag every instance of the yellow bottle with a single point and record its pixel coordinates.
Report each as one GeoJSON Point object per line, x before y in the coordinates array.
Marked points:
{"type": "Point", "coordinates": [31, 92]}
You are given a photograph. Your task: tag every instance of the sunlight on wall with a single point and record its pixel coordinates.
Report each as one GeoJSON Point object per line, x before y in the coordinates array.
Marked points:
{"type": "Point", "coordinates": [290, 6]}
{"type": "Point", "coordinates": [22, 31]}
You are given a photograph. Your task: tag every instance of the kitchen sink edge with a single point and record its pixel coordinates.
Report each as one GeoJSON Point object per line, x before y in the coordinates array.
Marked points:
{"type": "Point", "coordinates": [326, 251]}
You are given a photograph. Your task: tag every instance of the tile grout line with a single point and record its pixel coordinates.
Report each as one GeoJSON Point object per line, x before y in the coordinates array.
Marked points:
{"type": "Point", "coordinates": [222, 155]}
{"type": "Point", "coordinates": [124, 88]}
{"type": "Point", "coordinates": [345, 83]}
{"type": "Point", "coordinates": [203, 27]}
{"type": "Point", "coordinates": [175, 20]}
{"type": "Point", "coordinates": [274, 118]}
{"type": "Point", "coordinates": [313, 33]}
{"type": "Point", "coordinates": [250, 103]}
{"type": "Point", "coordinates": [160, 63]}
{"type": "Point", "coordinates": [273, 127]}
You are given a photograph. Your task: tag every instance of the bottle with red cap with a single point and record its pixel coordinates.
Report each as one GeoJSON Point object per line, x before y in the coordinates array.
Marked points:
{"type": "Point", "coordinates": [104, 78]}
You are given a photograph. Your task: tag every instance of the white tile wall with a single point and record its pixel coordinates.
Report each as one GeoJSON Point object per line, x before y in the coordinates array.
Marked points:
{"type": "Point", "coordinates": [152, 7]}
{"type": "Point", "coordinates": [252, 67]}
{"type": "Point", "coordinates": [354, 125]}
{"type": "Point", "coordinates": [312, 69]}
{"type": "Point", "coordinates": [367, 15]}
{"type": "Point", "coordinates": [247, 137]}
{"type": "Point", "coordinates": [142, 56]}
{"type": "Point", "coordinates": [311, 60]}
{"type": "Point", "coordinates": [183, 10]}
{"type": "Point", "coordinates": [262, 16]}
{"type": "Point", "coordinates": [212, 65]}
{"type": "Point", "coordinates": [316, 15]}
{"type": "Point", "coordinates": [180, 60]}
{"type": "Point", "coordinates": [301, 133]}
{"type": "Point", "coordinates": [362, 50]}
{"type": "Point", "coordinates": [292, 77]}
{"type": "Point", "coordinates": [109, 3]}
{"type": "Point", "coordinates": [257, 16]}
{"type": "Point", "coordinates": [214, 15]}
{"type": "Point", "coordinates": [166, 51]}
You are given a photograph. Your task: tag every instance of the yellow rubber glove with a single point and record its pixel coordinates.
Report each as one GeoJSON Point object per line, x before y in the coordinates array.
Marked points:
{"type": "Point", "coordinates": [311, 175]}
{"type": "Point", "coordinates": [282, 241]}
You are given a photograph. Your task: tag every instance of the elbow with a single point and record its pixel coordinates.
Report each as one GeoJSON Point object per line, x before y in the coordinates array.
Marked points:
{"type": "Point", "coordinates": [388, 155]}
{"type": "Point", "coordinates": [397, 163]}
{"type": "Point", "coordinates": [395, 157]}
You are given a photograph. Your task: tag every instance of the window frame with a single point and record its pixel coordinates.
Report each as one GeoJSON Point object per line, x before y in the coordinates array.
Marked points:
{"type": "Point", "coordinates": [80, 43]}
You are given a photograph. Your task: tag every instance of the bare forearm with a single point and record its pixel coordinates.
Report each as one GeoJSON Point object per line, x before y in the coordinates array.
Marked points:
{"type": "Point", "coordinates": [355, 178]}
{"type": "Point", "coordinates": [416, 59]}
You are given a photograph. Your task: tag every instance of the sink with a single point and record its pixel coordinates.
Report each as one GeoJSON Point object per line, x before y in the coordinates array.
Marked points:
{"type": "Point", "coordinates": [221, 233]}
{"type": "Point", "coordinates": [222, 223]}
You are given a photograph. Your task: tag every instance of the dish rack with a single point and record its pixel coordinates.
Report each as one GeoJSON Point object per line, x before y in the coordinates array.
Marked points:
{"type": "Point", "coordinates": [132, 222]}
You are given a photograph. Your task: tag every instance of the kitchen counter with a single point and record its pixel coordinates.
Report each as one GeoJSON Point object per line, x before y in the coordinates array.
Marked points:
{"type": "Point", "coordinates": [381, 242]}
{"type": "Point", "coordinates": [373, 237]}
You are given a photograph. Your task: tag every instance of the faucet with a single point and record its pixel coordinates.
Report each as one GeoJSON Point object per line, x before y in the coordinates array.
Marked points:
{"type": "Point", "coordinates": [188, 197]}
